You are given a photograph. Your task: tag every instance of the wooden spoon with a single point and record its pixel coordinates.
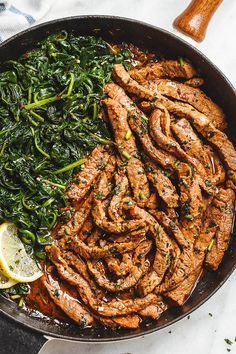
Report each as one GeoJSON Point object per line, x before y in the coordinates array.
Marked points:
{"type": "Point", "coordinates": [195, 19]}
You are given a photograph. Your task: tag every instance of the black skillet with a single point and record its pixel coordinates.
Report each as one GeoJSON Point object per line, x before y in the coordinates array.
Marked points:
{"type": "Point", "coordinates": [116, 29]}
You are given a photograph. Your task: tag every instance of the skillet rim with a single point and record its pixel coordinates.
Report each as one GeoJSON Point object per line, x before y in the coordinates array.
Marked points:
{"type": "Point", "coordinates": [222, 76]}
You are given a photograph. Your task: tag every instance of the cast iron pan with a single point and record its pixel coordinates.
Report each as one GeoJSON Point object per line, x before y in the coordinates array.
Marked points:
{"type": "Point", "coordinates": [116, 29]}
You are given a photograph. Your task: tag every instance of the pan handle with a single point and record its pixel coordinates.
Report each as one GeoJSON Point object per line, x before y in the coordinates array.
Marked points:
{"type": "Point", "coordinates": [195, 19]}
{"type": "Point", "coordinates": [15, 339]}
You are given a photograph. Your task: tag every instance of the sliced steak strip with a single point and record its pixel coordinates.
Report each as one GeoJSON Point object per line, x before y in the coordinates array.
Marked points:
{"type": "Point", "coordinates": [154, 311]}
{"type": "Point", "coordinates": [96, 252]}
{"type": "Point", "coordinates": [224, 204]}
{"type": "Point", "coordinates": [216, 138]}
{"type": "Point", "coordinates": [119, 192]}
{"type": "Point", "coordinates": [166, 143]}
{"type": "Point", "coordinates": [196, 98]}
{"type": "Point", "coordinates": [123, 78]}
{"type": "Point", "coordinates": [99, 208]}
{"type": "Point", "coordinates": [163, 69]}
{"type": "Point", "coordinates": [171, 228]}
{"type": "Point", "coordinates": [138, 124]}
{"type": "Point", "coordinates": [85, 178]}
{"type": "Point", "coordinates": [67, 304]}
{"type": "Point", "coordinates": [128, 321]}
{"type": "Point", "coordinates": [109, 309]}
{"type": "Point", "coordinates": [195, 82]}
{"type": "Point", "coordinates": [162, 184]}
{"type": "Point", "coordinates": [128, 149]}
{"type": "Point", "coordinates": [192, 144]}
{"type": "Point", "coordinates": [138, 269]}
{"type": "Point", "coordinates": [162, 252]}
{"type": "Point", "coordinates": [120, 268]}
{"type": "Point", "coordinates": [181, 294]}
{"type": "Point", "coordinates": [191, 203]}
{"type": "Point", "coordinates": [75, 224]}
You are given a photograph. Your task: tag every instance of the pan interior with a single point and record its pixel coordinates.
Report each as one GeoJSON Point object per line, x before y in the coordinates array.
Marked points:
{"type": "Point", "coordinates": [166, 45]}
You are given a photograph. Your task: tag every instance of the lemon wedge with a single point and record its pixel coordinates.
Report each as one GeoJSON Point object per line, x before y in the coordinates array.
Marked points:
{"type": "Point", "coordinates": [5, 282]}
{"type": "Point", "coordinates": [15, 263]}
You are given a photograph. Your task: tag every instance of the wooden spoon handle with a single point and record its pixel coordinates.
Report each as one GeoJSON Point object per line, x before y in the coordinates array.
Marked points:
{"type": "Point", "coordinates": [195, 19]}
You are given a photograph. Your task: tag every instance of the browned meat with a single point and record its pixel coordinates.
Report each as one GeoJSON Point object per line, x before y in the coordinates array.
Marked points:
{"type": "Point", "coordinates": [94, 237]}
{"type": "Point", "coordinates": [163, 247]}
{"type": "Point", "coordinates": [120, 268]}
{"type": "Point", "coordinates": [162, 184]}
{"type": "Point", "coordinates": [166, 68]}
{"type": "Point", "coordinates": [138, 269]}
{"type": "Point", "coordinates": [216, 138]}
{"type": "Point", "coordinates": [191, 203]}
{"type": "Point", "coordinates": [85, 179]}
{"type": "Point", "coordinates": [171, 228]}
{"type": "Point", "coordinates": [128, 321]}
{"type": "Point", "coordinates": [123, 78]}
{"type": "Point", "coordinates": [86, 229]}
{"type": "Point", "coordinates": [119, 192]}
{"type": "Point", "coordinates": [166, 143]}
{"type": "Point", "coordinates": [195, 82]}
{"type": "Point", "coordinates": [97, 252]}
{"type": "Point", "coordinates": [195, 148]}
{"type": "Point", "coordinates": [191, 142]}
{"type": "Point", "coordinates": [195, 97]}
{"type": "Point", "coordinates": [224, 205]}
{"type": "Point", "coordinates": [109, 309]}
{"type": "Point", "coordinates": [127, 147]}
{"type": "Point", "coordinates": [154, 311]}
{"type": "Point", "coordinates": [138, 124]}
{"type": "Point", "coordinates": [181, 294]}
{"type": "Point", "coordinates": [75, 224]}
{"type": "Point", "coordinates": [152, 201]}
{"type": "Point", "coordinates": [68, 304]}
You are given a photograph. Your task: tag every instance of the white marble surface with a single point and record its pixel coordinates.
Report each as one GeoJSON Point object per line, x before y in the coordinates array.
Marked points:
{"type": "Point", "coordinates": [201, 333]}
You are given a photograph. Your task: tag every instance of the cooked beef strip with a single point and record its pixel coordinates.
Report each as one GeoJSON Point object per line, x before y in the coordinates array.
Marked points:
{"type": "Point", "coordinates": [195, 82]}
{"type": "Point", "coordinates": [195, 97]}
{"type": "Point", "coordinates": [166, 143]}
{"type": "Point", "coordinates": [129, 321]}
{"type": "Point", "coordinates": [114, 227]}
{"type": "Point", "coordinates": [162, 184]}
{"type": "Point", "coordinates": [109, 309]}
{"type": "Point", "coordinates": [181, 294]}
{"type": "Point", "coordinates": [191, 203]}
{"type": "Point", "coordinates": [192, 144]}
{"type": "Point", "coordinates": [202, 124]}
{"type": "Point", "coordinates": [138, 269]}
{"type": "Point", "coordinates": [138, 124]}
{"type": "Point", "coordinates": [97, 252]}
{"type": "Point", "coordinates": [215, 137]}
{"type": "Point", "coordinates": [94, 237]}
{"type": "Point", "coordinates": [128, 149]}
{"type": "Point", "coordinates": [87, 229]}
{"type": "Point", "coordinates": [99, 208]}
{"type": "Point", "coordinates": [123, 78]}
{"type": "Point", "coordinates": [119, 192]}
{"type": "Point", "coordinates": [120, 268]}
{"type": "Point", "coordinates": [75, 224]}
{"type": "Point", "coordinates": [162, 242]}
{"type": "Point", "coordinates": [171, 228]}
{"type": "Point", "coordinates": [224, 204]}
{"type": "Point", "coordinates": [154, 311]}
{"type": "Point", "coordinates": [152, 202]}
{"type": "Point", "coordinates": [214, 221]}
{"type": "Point", "coordinates": [87, 176]}
{"type": "Point", "coordinates": [68, 304]}
{"type": "Point", "coordinates": [166, 68]}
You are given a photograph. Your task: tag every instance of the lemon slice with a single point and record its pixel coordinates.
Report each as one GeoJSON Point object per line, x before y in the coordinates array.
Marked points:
{"type": "Point", "coordinates": [5, 282]}
{"type": "Point", "coordinates": [15, 263]}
